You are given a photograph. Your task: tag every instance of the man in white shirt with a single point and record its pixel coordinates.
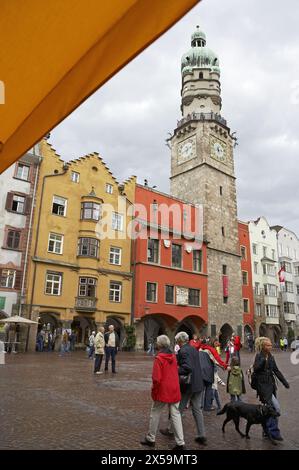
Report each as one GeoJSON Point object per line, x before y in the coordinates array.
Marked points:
{"type": "Point", "coordinates": [111, 346]}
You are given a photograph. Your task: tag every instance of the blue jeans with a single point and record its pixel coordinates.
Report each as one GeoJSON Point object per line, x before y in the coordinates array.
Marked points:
{"type": "Point", "coordinates": [110, 352]}
{"type": "Point", "coordinates": [272, 423]}
{"type": "Point", "coordinates": [216, 398]}
{"type": "Point", "coordinates": [91, 351]}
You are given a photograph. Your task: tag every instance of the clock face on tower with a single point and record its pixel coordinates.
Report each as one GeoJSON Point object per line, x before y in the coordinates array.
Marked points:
{"type": "Point", "coordinates": [218, 150]}
{"type": "Point", "coordinates": [186, 150]}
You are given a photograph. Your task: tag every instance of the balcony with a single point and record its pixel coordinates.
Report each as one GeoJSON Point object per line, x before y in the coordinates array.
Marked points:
{"type": "Point", "coordinates": [202, 117]}
{"type": "Point", "coordinates": [290, 317]}
{"type": "Point", "coordinates": [86, 304]}
{"type": "Point", "coordinates": [272, 320]}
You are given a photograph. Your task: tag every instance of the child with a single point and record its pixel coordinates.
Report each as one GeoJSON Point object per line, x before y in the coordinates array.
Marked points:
{"type": "Point", "coordinates": [217, 380]}
{"type": "Point", "coordinates": [235, 380]}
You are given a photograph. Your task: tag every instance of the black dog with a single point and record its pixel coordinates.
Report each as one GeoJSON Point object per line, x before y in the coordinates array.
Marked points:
{"type": "Point", "coordinates": [254, 414]}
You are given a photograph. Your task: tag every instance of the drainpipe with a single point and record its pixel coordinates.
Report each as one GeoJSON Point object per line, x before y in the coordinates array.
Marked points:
{"type": "Point", "coordinates": [28, 236]}
{"type": "Point", "coordinates": [65, 168]}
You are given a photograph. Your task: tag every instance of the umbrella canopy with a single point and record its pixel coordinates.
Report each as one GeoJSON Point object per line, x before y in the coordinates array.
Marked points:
{"type": "Point", "coordinates": [55, 54]}
{"type": "Point", "coordinates": [18, 319]}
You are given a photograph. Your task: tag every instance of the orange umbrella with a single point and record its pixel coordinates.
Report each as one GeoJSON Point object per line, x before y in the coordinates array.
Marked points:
{"type": "Point", "coordinates": [56, 53]}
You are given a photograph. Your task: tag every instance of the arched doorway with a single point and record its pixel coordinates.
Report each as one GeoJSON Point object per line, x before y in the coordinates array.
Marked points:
{"type": "Point", "coordinates": [47, 322]}
{"type": "Point", "coordinates": [248, 333]}
{"type": "Point", "coordinates": [82, 328]}
{"type": "Point", "coordinates": [263, 329]}
{"type": "Point", "coordinates": [225, 333]}
{"type": "Point", "coordinates": [153, 327]}
{"type": "Point", "coordinates": [276, 332]}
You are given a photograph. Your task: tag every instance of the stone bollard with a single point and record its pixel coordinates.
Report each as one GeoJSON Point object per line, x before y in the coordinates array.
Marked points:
{"type": "Point", "coordinates": [2, 353]}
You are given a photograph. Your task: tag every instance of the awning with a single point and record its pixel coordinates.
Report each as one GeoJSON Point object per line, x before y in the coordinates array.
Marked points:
{"type": "Point", "coordinates": [18, 319]}
{"type": "Point", "coordinates": [56, 53]}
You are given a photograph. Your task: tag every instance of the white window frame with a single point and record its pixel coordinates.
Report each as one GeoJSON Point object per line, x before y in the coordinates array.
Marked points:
{"type": "Point", "coordinates": [113, 255]}
{"type": "Point", "coordinates": [22, 175]}
{"type": "Point", "coordinates": [11, 275]}
{"type": "Point", "coordinates": [117, 221]}
{"type": "Point", "coordinates": [53, 282]}
{"type": "Point", "coordinates": [199, 298]}
{"type": "Point", "coordinates": [115, 291]}
{"type": "Point", "coordinates": [109, 188]}
{"type": "Point", "coordinates": [156, 292]}
{"type": "Point", "coordinates": [254, 248]}
{"type": "Point", "coordinates": [65, 205]}
{"type": "Point", "coordinates": [16, 198]}
{"type": "Point", "coordinates": [55, 243]}
{"type": "Point", "coordinates": [245, 284]}
{"type": "Point", "coordinates": [256, 267]}
{"type": "Point", "coordinates": [75, 177]}
{"type": "Point", "coordinates": [258, 309]}
{"type": "Point", "coordinates": [245, 257]}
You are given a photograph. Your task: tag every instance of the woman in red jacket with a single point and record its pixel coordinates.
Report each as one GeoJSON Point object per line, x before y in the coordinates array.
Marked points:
{"type": "Point", "coordinates": [165, 391]}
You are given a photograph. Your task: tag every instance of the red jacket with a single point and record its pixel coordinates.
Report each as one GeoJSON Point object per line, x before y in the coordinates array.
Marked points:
{"type": "Point", "coordinates": [195, 344]}
{"type": "Point", "coordinates": [166, 387]}
{"type": "Point", "coordinates": [215, 354]}
{"type": "Point", "coordinates": [237, 343]}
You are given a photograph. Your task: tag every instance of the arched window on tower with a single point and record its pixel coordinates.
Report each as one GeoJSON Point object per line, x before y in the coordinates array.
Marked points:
{"type": "Point", "coordinates": [200, 75]}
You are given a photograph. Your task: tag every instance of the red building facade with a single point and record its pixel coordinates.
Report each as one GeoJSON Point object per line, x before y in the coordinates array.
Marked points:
{"type": "Point", "coordinates": [169, 263]}
{"type": "Point", "coordinates": [247, 286]}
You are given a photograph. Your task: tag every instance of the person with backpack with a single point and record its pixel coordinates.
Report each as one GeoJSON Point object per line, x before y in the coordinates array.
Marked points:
{"type": "Point", "coordinates": [263, 381]}
{"type": "Point", "coordinates": [235, 380]}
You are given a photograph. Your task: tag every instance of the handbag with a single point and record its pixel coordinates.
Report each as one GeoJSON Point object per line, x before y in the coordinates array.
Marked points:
{"type": "Point", "coordinates": [185, 379]}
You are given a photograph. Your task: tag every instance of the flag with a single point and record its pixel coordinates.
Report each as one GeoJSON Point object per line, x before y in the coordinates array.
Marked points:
{"type": "Point", "coordinates": [281, 274]}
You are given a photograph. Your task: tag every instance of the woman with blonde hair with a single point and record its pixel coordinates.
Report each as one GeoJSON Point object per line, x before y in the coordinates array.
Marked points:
{"type": "Point", "coordinates": [266, 372]}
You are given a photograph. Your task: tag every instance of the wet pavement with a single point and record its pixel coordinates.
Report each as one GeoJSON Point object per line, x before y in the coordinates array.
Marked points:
{"type": "Point", "coordinates": [53, 402]}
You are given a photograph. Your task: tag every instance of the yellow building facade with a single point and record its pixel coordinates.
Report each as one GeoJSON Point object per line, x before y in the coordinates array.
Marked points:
{"type": "Point", "coordinates": [80, 262]}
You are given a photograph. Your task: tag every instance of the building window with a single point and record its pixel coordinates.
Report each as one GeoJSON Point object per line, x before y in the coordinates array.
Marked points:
{"type": "Point", "coordinates": [75, 177]}
{"type": "Point", "coordinates": [257, 288]}
{"type": "Point", "coordinates": [151, 292]}
{"type": "Point", "coordinates": [109, 188]}
{"type": "Point", "coordinates": [117, 221]}
{"type": "Point", "coordinates": [169, 294]}
{"type": "Point", "coordinates": [296, 270]}
{"type": "Point", "coordinates": [289, 287]}
{"type": "Point", "coordinates": [152, 250]}
{"type": "Point", "coordinates": [256, 267]}
{"type": "Point", "coordinates": [221, 190]}
{"type": "Point", "coordinates": [90, 211]}
{"type": "Point", "coordinates": [264, 251]}
{"type": "Point", "coordinates": [297, 289]}
{"type": "Point", "coordinates": [271, 311]}
{"type": "Point", "coordinates": [88, 247]}
{"type": "Point", "coordinates": [22, 172]}
{"type": "Point", "coordinates": [224, 269]}
{"type": "Point", "coordinates": [115, 255]}
{"type": "Point", "coordinates": [270, 290]}
{"type": "Point", "coordinates": [13, 239]}
{"type": "Point", "coordinates": [258, 308]}
{"type": "Point", "coordinates": [269, 270]}
{"type": "Point", "coordinates": [287, 267]}
{"type": "Point", "coordinates": [59, 206]}
{"type": "Point", "coordinates": [176, 255]}
{"type": "Point", "coordinates": [222, 231]}
{"type": "Point", "coordinates": [225, 300]}
{"type": "Point", "coordinates": [7, 278]}
{"type": "Point", "coordinates": [245, 278]}
{"type": "Point", "coordinates": [288, 307]}
{"type": "Point", "coordinates": [254, 248]}
{"type": "Point", "coordinates": [194, 297]}
{"type": "Point", "coordinates": [243, 253]}
{"type": "Point", "coordinates": [87, 287]}
{"type": "Point", "coordinates": [273, 255]}
{"type": "Point", "coordinates": [197, 260]}
{"type": "Point", "coordinates": [53, 283]}
{"type": "Point", "coordinates": [245, 305]}
{"type": "Point", "coordinates": [115, 291]}
{"type": "Point", "coordinates": [55, 243]}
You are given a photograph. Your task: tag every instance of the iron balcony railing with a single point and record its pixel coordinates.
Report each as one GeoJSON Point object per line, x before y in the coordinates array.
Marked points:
{"type": "Point", "coordinates": [85, 303]}
{"type": "Point", "coordinates": [202, 117]}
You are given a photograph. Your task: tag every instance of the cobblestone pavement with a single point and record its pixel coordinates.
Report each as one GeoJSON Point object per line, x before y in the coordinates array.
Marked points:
{"type": "Point", "coordinates": [52, 402]}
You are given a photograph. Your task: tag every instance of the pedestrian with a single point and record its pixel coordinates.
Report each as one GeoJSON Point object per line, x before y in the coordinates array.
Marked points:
{"type": "Point", "coordinates": [266, 370]}
{"type": "Point", "coordinates": [72, 340]}
{"type": "Point", "coordinates": [250, 343]}
{"type": "Point", "coordinates": [40, 341]}
{"type": "Point", "coordinates": [189, 370]}
{"type": "Point", "coordinates": [207, 371]}
{"type": "Point", "coordinates": [285, 343]}
{"type": "Point", "coordinates": [215, 394]}
{"type": "Point", "coordinates": [237, 346]}
{"type": "Point", "coordinates": [151, 349]}
{"type": "Point", "coordinates": [195, 342]}
{"type": "Point", "coordinates": [91, 344]}
{"type": "Point", "coordinates": [229, 350]}
{"type": "Point", "coordinates": [64, 343]}
{"type": "Point", "coordinates": [281, 344]}
{"type": "Point", "coordinates": [99, 344]}
{"type": "Point", "coordinates": [235, 380]}
{"type": "Point", "coordinates": [111, 347]}
{"type": "Point", "coordinates": [165, 392]}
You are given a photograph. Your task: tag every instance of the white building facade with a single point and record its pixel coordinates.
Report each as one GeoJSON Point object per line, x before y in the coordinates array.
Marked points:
{"type": "Point", "coordinates": [265, 267]}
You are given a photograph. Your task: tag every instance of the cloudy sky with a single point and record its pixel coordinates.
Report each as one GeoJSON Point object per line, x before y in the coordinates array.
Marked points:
{"type": "Point", "coordinates": [128, 120]}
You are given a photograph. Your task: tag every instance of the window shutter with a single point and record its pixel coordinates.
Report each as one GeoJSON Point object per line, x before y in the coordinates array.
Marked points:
{"type": "Point", "coordinates": [9, 199]}
{"type": "Point", "coordinates": [18, 280]}
{"type": "Point", "coordinates": [27, 205]}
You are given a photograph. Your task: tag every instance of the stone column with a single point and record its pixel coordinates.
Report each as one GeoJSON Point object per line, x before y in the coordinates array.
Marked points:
{"type": "Point", "coordinates": [139, 325]}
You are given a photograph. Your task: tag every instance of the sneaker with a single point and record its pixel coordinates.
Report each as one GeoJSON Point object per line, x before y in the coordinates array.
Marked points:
{"type": "Point", "coordinates": [183, 447]}
{"type": "Point", "coordinates": [166, 432]}
{"type": "Point", "coordinates": [148, 443]}
{"type": "Point", "coordinates": [201, 440]}
{"type": "Point", "coordinates": [98, 373]}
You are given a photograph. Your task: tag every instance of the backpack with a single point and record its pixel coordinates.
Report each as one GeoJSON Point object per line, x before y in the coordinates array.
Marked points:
{"type": "Point", "coordinates": [252, 377]}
